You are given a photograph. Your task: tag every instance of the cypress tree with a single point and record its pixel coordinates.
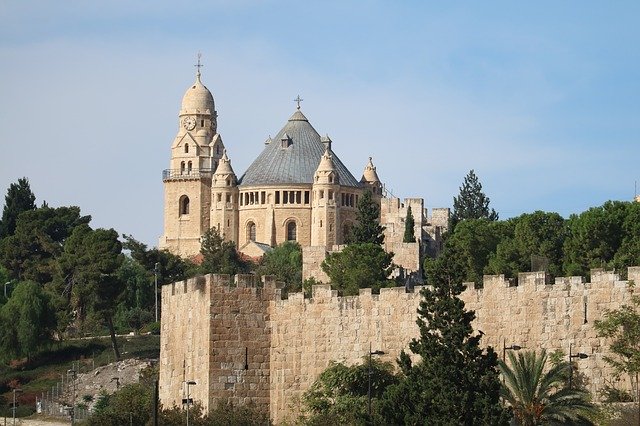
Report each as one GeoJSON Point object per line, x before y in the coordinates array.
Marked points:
{"type": "Point", "coordinates": [409, 224]}
{"type": "Point", "coordinates": [368, 228]}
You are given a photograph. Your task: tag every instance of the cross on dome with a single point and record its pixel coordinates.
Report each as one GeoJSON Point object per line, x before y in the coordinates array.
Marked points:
{"type": "Point", "coordinates": [298, 100]}
{"type": "Point", "coordinates": [198, 65]}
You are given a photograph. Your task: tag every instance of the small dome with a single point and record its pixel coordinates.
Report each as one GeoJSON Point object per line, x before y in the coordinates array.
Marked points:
{"type": "Point", "coordinates": [224, 166]}
{"type": "Point", "coordinates": [198, 99]}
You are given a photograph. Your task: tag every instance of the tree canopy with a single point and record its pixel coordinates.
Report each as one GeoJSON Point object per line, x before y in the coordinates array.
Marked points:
{"type": "Point", "coordinates": [471, 203]}
{"type": "Point", "coordinates": [19, 198]}
{"type": "Point", "coordinates": [285, 263]}
{"type": "Point", "coordinates": [368, 228]}
{"type": "Point", "coordinates": [219, 256]}
{"type": "Point", "coordinates": [409, 224]}
{"type": "Point", "coordinates": [359, 266]}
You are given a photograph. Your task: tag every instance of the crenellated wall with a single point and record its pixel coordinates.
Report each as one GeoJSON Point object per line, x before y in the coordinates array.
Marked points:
{"type": "Point", "coordinates": [210, 324]}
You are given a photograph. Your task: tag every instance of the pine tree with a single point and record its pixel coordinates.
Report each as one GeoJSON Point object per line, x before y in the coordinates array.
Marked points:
{"type": "Point", "coordinates": [471, 203]}
{"type": "Point", "coordinates": [409, 224]}
{"type": "Point", "coordinates": [19, 198]}
{"type": "Point", "coordinates": [368, 228]}
{"type": "Point", "coordinates": [455, 381]}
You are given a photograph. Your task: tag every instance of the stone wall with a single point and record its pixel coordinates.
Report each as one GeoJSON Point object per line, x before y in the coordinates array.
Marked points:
{"type": "Point", "coordinates": [209, 325]}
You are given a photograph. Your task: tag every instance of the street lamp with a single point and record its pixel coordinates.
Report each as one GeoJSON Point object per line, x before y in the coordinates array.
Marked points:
{"type": "Point", "coordinates": [369, 388]}
{"type": "Point", "coordinates": [74, 374]}
{"type": "Point", "coordinates": [156, 269]}
{"type": "Point", "coordinates": [188, 400]}
{"type": "Point", "coordinates": [5, 288]}
{"type": "Point", "coordinates": [14, 405]}
{"type": "Point", "coordinates": [579, 355]}
{"type": "Point", "coordinates": [506, 348]}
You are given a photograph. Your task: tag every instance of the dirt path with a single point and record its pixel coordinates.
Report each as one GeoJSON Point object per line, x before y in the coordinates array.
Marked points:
{"type": "Point", "coordinates": [32, 422]}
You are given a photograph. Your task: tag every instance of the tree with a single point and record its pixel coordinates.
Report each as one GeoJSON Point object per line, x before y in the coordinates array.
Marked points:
{"type": "Point", "coordinates": [340, 394]}
{"type": "Point", "coordinates": [31, 252]}
{"type": "Point", "coordinates": [622, 326]}
{"type": "Point", "coordinates": [359, 266]}
{"type": "Point", "coordinates": [368, 228]}
{"type": "Point", "coordinates": [470, 246]}
{"type": "Point", "coordinates": [537, 235]}
{"type": "Point", "coordinates": [409, 224]}
{"type": "Point", "coordinates": [27, 320]}
{"type": "Point", "coordinates": [537, 394]}
{"type": "Point", "coordinates": [594, 237]}
{"type": "Point", "coordinates": [19, 198]}
{"type": "Point", "coordinates": [454, 381]}
{"type": "Point", "coordinates": [220, 257]}
{"type": "Point", "coordinates": [471, 203]}
{"type": "Point", "coordinates": [88, 275]}
{"type": "Point", "coordinates": [285, 263]}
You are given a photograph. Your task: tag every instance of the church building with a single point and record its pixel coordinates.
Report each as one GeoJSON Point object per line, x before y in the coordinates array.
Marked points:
{"type": "Point", "coordinates": [297, 189]}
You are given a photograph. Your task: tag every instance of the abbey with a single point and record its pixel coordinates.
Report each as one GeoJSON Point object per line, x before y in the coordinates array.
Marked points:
{"type": "Point", "coordinates": [297, 189]}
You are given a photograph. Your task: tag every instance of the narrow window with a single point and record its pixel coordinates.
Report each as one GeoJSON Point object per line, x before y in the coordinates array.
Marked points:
{"type": "Point", "coordinates": [184, 205]}
{"type": "Point", "coordinates": [299, 197]}
{"type": "Point", "coordinates": [201, 123]}
{"type": "Point", "coordinates": [263, 195]}
{"type": "Point", "coordinates": [342, 198]}
{"type": "Point", "coordinates": [228, 198]}
{"type": "Point", "coordinates": [277, 197]}
{"type": "Point", "coordinates": [189, 166]}
{"type": "Point", "coordinates": [186, 148]}
{"type": "Point", "coordinates": [251, 231]}
{"type": "Point", "coordinates": [321, 194]}
{"type": "Point", "coordinates": [306, 197]}
{"type": "Point", "coordinates": [219, 197]}
{"type": "Point", "coordinates": [330, 194]}
{"type": "Point", "coordinates": [291, 231]}
{"type": "Point", "coordinates": [285, 197]}
{"type": "Point", "coordinates": [182, 167]}
{"type": "Point", "coordinates": [228, 182]}
{"type": "Point", "coordinates": [320, 223]}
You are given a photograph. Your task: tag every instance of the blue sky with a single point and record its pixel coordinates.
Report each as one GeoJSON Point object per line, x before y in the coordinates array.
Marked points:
{"type": "Point", "coordinates": [540, 98]}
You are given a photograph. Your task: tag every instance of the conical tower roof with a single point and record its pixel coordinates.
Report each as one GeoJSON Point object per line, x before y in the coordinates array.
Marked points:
{"type": "Point", "coordinates": [224, 166]}
{"type": "Point", "coordinates": [370, 175]}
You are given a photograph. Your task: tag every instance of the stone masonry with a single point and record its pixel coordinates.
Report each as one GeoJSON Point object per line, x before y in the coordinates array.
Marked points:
{"type": "Point", "coordinates": [242, 343]}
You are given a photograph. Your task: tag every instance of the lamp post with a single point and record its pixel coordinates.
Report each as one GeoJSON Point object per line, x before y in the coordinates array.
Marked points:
{"type": "Point", "coordinates": [156, 269]}
{"type": "Point", "coordinates": [506, 348]}
{"type": "Point", "coordinates": [189, 383]}
{"type": "Point", "coordinates": [72, 413]}
{"type": "Point", "coordinates": [14, 405]}
{"type": "Point", "coordinates": [579, 355]}
{"type": "Point", "coordinates": [369, 388]}
{"type": "Point", "coordinates": [5, 288]}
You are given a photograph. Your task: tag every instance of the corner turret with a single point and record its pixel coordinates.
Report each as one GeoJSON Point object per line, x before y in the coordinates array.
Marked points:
{"type": "Point", "coordinates": [324, 209]}
{"type": "Point", "coordinates": [224, 200]}
{"type": "Point", "coordinates": [370, 179]}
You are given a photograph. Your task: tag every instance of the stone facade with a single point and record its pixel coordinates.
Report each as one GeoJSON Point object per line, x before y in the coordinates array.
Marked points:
{"type": "Point", "coordinates": [297, 189]}
{"type": "Point", "coordinates": [242, 343]}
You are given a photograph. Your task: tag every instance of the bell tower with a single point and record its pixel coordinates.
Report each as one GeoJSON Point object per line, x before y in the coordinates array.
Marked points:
{"type": "Point", "coordinates": [195, 153]}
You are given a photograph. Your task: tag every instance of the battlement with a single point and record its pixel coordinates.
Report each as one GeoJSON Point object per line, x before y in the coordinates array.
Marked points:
{"type": "Point", "coordinates": [202, 282]}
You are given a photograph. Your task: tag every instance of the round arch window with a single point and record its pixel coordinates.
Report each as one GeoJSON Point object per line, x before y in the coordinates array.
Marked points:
{"type": "Point", "coordinates": [292, 231]}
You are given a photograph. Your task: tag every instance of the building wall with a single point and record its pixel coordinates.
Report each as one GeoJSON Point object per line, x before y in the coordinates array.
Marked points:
{"type": "Point", "coordinates": [208, 325]}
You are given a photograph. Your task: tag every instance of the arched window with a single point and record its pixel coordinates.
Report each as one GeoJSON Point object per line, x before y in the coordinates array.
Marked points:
{"type": "Point", "coordinates": [251, 231]}
{"type": "Point", "coordinates": [189, 166]}
{"type": "Point", "coordinates": [186, 148]}
{"type": "Point", "coordinates": [291, 231]}
{"type": "Point", "coordinates": [184, 205]}
{"type": "Point", "coordinates": [346, 232]}
{"type": "Point", "coordinates": [182, 167]}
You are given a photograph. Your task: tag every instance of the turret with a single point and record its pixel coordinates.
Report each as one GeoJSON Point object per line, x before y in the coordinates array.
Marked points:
{"type": "Point", "coordinates": [371, 181]}
{"type": "Point", "coordinates": [224, 199]}
{"type": "Point", "coordinates": [325, 188]}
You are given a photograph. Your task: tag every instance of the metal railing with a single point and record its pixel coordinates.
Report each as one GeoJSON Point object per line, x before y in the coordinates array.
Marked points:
{"type": "Point", "coordinates": [186, 173]}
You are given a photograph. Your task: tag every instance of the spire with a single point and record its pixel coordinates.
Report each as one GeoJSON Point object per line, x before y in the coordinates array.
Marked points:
{"type": "Point", "coordinates": [224, 166]}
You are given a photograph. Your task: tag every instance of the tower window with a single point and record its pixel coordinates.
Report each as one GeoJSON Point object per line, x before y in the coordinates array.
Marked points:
{"type": "Point", "coordinates": [186, 148]}
{"type": "Point", "coordinates": [219, 197]}
{"type": "Point", "coordinates": [201, 123]}
{"type": "Point", "coordinates": [189, 166]}
{"type": "Point", "coordinates": [251, 231]}
{"type": "Point", "coordinates": [184, 205]}
{"type": "Point", "coordinates": [291, 231]}
{"type": "Point", "coordinates": [277, 197]}
{"type": "Point", "coordinates": [218, 149]}
{"type": "Point", "coordinates": [306, 197]}
{"type": "Point", "coordinates": [182, 167]}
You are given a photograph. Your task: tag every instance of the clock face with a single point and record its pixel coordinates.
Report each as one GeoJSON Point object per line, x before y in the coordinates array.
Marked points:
{"type": "Point", "coordinates": [189, 123]}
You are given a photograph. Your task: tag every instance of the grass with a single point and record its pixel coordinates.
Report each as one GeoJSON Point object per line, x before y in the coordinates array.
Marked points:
{"type": "Point", "coordinates": [44, 370]}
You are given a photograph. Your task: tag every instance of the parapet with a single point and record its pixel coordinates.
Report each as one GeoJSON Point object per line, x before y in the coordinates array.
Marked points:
{"type": "Point", "coordinates": [208, 282]}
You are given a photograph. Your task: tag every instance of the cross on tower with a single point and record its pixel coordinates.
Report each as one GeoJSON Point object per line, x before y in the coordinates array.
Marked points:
{"type": "Point", "coordinates": [199, 65]}
{"type": "Point", "coordinates": [298, 100]}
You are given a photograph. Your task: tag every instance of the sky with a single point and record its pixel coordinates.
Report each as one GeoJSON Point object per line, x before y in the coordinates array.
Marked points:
{"type": "Point", "coordinates": [541, 99]}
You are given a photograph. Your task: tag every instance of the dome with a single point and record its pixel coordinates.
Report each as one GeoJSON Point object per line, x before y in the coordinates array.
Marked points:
{"type": "Point", "coordinates": [197, 99]}
{"type": "Point", "coordinates": [293, 156]}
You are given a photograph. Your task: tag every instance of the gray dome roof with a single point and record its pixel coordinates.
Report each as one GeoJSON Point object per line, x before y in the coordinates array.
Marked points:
{"type": "Point", "coordinates": [293, 160]}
